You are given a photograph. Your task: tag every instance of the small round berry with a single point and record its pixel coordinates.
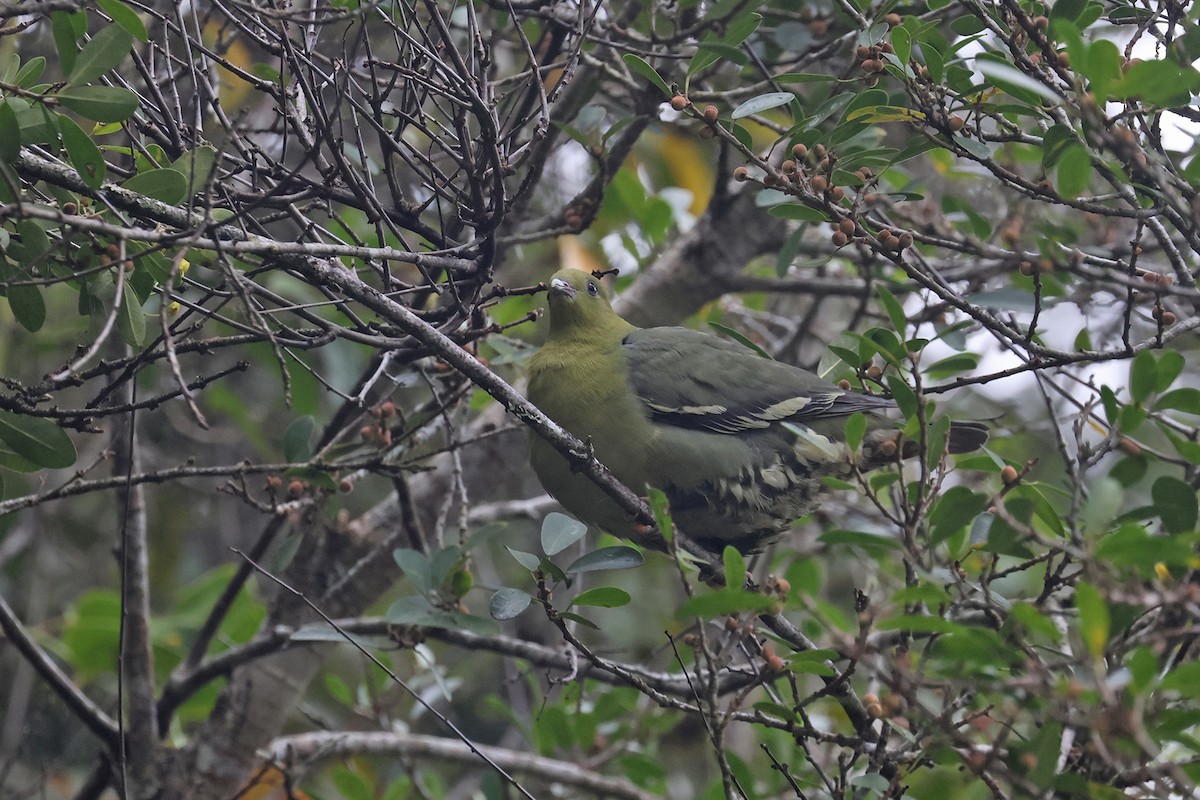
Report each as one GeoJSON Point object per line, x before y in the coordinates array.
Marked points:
{"type": "Point", "coordinates": [874, 372]}
{"type": "Point", "coordinates": [679, 102]}
{"type": "Point", "coordinates": [788, 166]}
{"type": "Point", "coordinates": [800, 150]}
{"type": "Point", "coordinates": [741, 174]}
{"type": "Point", "coordinates": [820, 183]}
{"type": "Point", "coordinates": [711, 113]}
{"type": "Point", "coordinates": [707, 133]}
{"type": "Point", "coordinates": [819, 150]}
{"type": "Point", "coordinates": [893, 19]}
{"type": "Point", "coordinates": [839, 239]}
{"type": "Point", "coordinates": [906, 239]}
{"type": "Point", "coordinates": [957, 123]}
{"type": "Point", "coordinates": [844, 385]}
{"type": "Point", "coordinates": [345, 486]}
{"type": "Point", "coordinates": [1027, 268]}
{"type": "Point", "coordinates": [1041, 22]}
{"type": "Point", "coordinates": [837, 193]}
{"type": "Point", "coordinates": [1009, 475]}
{"type": "Point", "coordinates": [387, 409]}
{"type": "Point", "coordinates": [888, 447]}
{"type": "Point", "coordinates": [846, 226]}
{"type": "Point", "coordinates": [70, 208]}
{"type": "Point", "coordinates": [295, 488]}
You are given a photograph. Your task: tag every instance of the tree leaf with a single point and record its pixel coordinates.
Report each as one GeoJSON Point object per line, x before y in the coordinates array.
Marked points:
{"type": "Point", "coordinates": [297, 439]}
{"type": "Point", "coordinates": [616, 557]}
{"type": "Point", "coordinates": [1074, 170]}
{"type": "Point", "coordinates": [10, 134]}
{"type": "Point", "coordinates": [28, 306]}
{"type": "Point", "coordinates": [1143, 376]}
{"type": "Point", "coordinates": [107, 49]}
{"type": "Point", "coordinates": [560, 532]}
{"type": "Point", "coordinates": [167, 185]}
{"type": "Point", "coordinates": [602, 597]}
{"type": "Point", "coordinates": [527, 560]}
{"type": "Point", "coordinates": [415, 565]}
{"type": "Point", "coordinates": [1094, 620]}
{"type": "Point", "coordinates": [762, 102]}
{"type": "Point", "coordinates": [642, 67]}
{"type": "Point", "coordinates": [37, 440]}
{"type": "Point", "coordinates": [62, 27]}
{"type": "Point", "coordinates": [131, 320]}
{"type": "Point", "coordinates": [100, 103]}
{"type": "Point", "coordinates": [725, 602]}
{"type": "Point", "coordinates": [84, 154]}
{"type": "Point", "coordinates": [1186, 400]}
{"type": "Point", "coordinates": [507, 603]}
{"type": "Point", "coordinates": [126, 17]}
{"type": "Point", "coordinates": [799, 212]}
{"type": "Point", "coordinates": [1007, 77]}
{"type": "Point", "coordinates": [1175, 502]}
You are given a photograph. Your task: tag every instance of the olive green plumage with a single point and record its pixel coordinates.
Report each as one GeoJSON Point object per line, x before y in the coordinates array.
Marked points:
{"type": "Point", "coordinates": [737, 442]}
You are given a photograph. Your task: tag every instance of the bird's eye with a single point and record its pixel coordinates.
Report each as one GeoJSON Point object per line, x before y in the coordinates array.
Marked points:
{"type": "Point", "coordinates": [592, 290]}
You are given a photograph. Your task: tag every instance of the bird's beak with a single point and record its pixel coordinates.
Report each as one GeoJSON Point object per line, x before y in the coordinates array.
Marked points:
{"type": "Point", "coordinates": [563, 288]}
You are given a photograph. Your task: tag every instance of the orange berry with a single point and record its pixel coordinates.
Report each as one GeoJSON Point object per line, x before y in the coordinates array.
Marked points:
{"type": "Point", "coordinates": [800, 150]}
{"type": "Point", "coordinates": [820, 183]}
{"type": "Point", "coordinates": [296, 488]}
{"type": "Point", "coordinates": [1009, 475]}
{"type": "Point", "coordinates": [741, 174]}
{"type": "Point", "coordinates": [893, 19]}
{"type": "Point", "coordinates": [711, 113]}
{"type": "Point", "coordinates": [679, 102]}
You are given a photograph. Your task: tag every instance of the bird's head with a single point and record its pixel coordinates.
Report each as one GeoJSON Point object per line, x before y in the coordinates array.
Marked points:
{"type": "Point", "coordinates": [578, 304]}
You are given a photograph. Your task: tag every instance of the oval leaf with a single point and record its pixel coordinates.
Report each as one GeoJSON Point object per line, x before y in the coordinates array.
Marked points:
{"type": "Point", "coordinates": [761, 103]}
{"type": "Point", "coordinates": [508, 603]}
{"type": "Point", "coordinates": [27, 306]}
{"type": "Point", "coordinates": [603, 597]}
{"type": "Point", "coordinates": [642, 67]}
{"type": "Point", "coordinates": [37, 440]}
{"type": "Point", "coordinates": [616, 557]}
{"type": "Point", "coordinates": [106, 50]}
{"type": "Point", "coordinates": [167, 185]}
{"type": "Point", "coordinates": [100, 103]}
{"type": "Point", "coordinates": [85, 156]}
{"type": "Point", "coordinates": [560, 532]}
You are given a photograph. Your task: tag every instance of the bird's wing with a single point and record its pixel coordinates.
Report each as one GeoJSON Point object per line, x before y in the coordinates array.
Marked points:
{"type": "Point", "coordinates": [695, 380]}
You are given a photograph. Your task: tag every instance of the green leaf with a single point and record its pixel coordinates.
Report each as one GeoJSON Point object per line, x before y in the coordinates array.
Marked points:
{"type": "Point", "coordinates": [741, 339]}
{"type": "Point", "coordinates": [1186, 400]}
{"type": "Point", "coordinates": [1175, 502]}
{"type": "Point", "coordinates": [297, 439]}
{"type": "Point", "coordinates": [126, 17]}
{"type": "Point", "coordinates": [33, 244]}
{"type": "Point", "coordinates": [642, 67]}
{"type": "Point", "coordinates": [856, 428]}
{"type": "Point", "coordinates": [799, 212]}
{"type": "Point", "coordinates": [955, 509]}
{"type": "Point", "coordinates": [84, 154]}
{"type": "Point", "coordinates": [919, 624]}
{"type": "Point", "coordinates": [197, 165]}
{"type": "Point", "coordinates": [107, 49]}
{"type": "Point", "coordinates": [62, 27]}
{"type": "Point", "coordinates": [762, 102]}
{"type": "Point", "coordinates": [868, 541]}
{"type": "Point", "coordinates": [893, 308]}
{"type": "Point", "coordinates": [131, 320]}
{"type": "Point", "coordinates": [1007, 77]}
{"type": "Point", "coordinates": [560, 532]}
{"type": "Point", "coordinates": [1157, 83]}
{"type": "Point", "coordinates": [1074, 170]}
{"type": "Point", "coordinates": [615, 557]}
{"type": "Point", "coordinates": [953, 365]}
{"type": "Point", "coordinates": [1094, 620]}
{"type": "Point", "coordinates": [602, 597]}
{"type": "Point", "coordinates": [735, 568]}
{"type": "Point", "coordinates": [415, 565]}
{"type": "Point", "coordinates": [709, 53]}
{"type": "Point", "coordinates": [1170, 364]}
{"type": "Point", "coordinates": [37, 440]}
{"type": "Point", "coordinates": [100, 103]}
{"type": "Point", "coordinates": [10, 134]}
{"type": "Point", "coordinates": [29, 73]}
{"type": "Point", "coordinates": [527, 560]}
{"type": "Point", "coordinates": [28, 306]}
{"type": "Point", "coordinates": [1143, 376]}
{"type": "Point", "coordinates": [725, 602]}
{"type": "Point", "coordinates": [167, 185]}
{"type": "Point", "coordinates": [507, 603]}
{"type": "Point", "coordinates": [885, 114]}
{"type": "Point", "coordinates": [804, 77]}
{"type": "Point", "coordinates": [1184, 679]}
